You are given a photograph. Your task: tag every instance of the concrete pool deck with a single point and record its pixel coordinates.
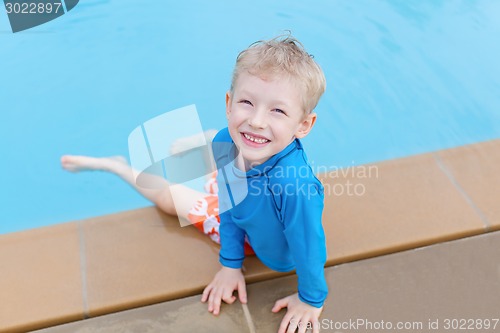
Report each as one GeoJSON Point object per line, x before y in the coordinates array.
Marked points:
{"type": "Point", "coordinates": [450, 198]}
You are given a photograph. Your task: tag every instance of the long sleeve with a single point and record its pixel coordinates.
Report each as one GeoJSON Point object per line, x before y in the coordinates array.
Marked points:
{"type": "Point", "coordinates": [232, 242]}
{"type": "Point", "coordinates": [306, 239]}
{"type": "Point", "coordinates": [232, 237]}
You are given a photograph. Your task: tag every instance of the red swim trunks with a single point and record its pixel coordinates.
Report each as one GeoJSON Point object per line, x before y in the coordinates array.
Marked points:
{"type": "Point", "coordinates": [205, 214]}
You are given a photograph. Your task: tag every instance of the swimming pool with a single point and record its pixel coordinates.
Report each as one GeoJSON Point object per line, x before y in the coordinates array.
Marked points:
{"type": "Point", "coordinates": [404, 77]}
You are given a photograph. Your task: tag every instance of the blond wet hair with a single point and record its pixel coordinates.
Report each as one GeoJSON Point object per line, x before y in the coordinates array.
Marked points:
{"type": "Point", "coordinates": [283, 57]}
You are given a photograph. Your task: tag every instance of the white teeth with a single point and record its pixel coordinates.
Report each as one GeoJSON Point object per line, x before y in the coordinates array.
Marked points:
{"type": "Point", "coordinates": [257, 140]}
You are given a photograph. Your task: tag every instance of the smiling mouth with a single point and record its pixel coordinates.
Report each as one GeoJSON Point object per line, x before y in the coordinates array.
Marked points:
{"type": "Point", "coordinates": [254, 139]}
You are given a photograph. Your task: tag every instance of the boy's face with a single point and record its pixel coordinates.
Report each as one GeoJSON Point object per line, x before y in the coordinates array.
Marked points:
{"type": "Point", "coordinates": [264, 116]}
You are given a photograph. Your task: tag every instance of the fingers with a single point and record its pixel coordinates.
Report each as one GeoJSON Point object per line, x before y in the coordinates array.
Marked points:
{"type": "Point", "coordinates": [287, 322]}
{"type": "Point", "coordinates": [225, 282]}
{"type": "Point", "coordinates": [280, 304]}
{"type": "Point", "coordinates": [290, 324]}
{"type": "Point", "coordinates": [229, 299]}
{"type": "Point", "coordinates": [206, 293]}
{"type": "Point", "coordinates": [316, 326]}
{"type": "Point", "coordinates": [305, 324]}
{"type": "Point", "coordinates": [242, 292]}
{"type": "Point", "coordinates": [300, 316]}
{"type": "Point", "coordinates": [214, 301]}
{"type": "Point", "coordinates": [215, 297]}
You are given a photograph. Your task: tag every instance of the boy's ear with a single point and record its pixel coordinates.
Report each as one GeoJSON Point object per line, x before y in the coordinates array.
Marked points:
{"type": "Point", "coordinates": [228, 103]}
{"type": "Point", "coordinates": [306, 125]}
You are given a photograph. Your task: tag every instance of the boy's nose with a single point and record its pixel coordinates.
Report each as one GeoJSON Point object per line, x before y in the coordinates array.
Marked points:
{"type": "Point", "coordinates": [257, 119]}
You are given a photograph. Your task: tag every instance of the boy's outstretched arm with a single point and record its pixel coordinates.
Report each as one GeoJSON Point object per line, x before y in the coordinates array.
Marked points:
{"type": "Point", "coordinates": [299, 316]}
{"type": "Point", "coordinates": [225, 282]}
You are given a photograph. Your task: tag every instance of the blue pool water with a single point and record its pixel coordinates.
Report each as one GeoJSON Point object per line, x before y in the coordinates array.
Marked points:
{"type": "Point", "coordinates": [404, 77]}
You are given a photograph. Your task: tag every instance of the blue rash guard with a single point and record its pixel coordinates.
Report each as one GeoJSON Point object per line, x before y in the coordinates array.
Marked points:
{"type": "Point", "coordinates": [278, 206]}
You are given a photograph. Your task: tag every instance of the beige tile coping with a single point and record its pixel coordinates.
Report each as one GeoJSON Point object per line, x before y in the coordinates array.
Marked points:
{"type": "Point", "coordinates": [111, 263]}
{"type": "Point", "coordinates": [40, 278]}
{"type": "Point", "coordinates": [474, 171]}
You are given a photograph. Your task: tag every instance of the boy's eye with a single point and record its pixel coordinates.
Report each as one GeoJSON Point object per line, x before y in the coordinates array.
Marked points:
{"type": "Point", "coordinates": [280, 111]}
{"type": "Point", "coordinates": [245, 101]}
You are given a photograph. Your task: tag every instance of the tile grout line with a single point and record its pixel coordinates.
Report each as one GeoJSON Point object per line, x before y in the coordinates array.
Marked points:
{"type": "Point", "coordinates": [469, 200]}
{"type": "Point", "coordinates": [83, 270]}
{"type": "Point", "coordinates": [248, 317]}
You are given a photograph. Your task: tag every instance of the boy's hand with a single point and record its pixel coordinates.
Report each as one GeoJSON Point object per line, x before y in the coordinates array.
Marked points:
{"type": "Point", "coordinates": [298, 315]}
{"type": "Point", "coordinates": [222, 286]}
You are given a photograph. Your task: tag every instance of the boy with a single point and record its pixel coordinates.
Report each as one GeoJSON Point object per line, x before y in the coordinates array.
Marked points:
{"type": "Point", "coordinates": [275, 87]}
